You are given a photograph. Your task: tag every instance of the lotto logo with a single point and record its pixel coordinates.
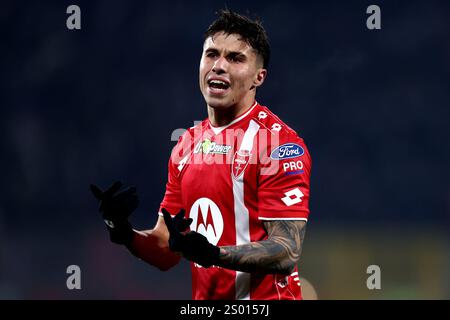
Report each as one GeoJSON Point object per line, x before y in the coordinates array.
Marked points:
{"type": "Point", "coordinates": [276, 127]}
{"type": "Point", "coordinates": [292, 197]}
{"type": "Point", "coordinates": [262, 115]}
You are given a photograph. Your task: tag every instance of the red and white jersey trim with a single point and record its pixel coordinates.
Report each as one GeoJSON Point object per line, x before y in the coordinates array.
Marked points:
{"type": "Point", "coordinates": [218, 130]}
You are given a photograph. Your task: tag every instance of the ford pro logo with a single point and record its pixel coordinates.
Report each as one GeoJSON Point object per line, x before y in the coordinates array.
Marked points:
{"type": "Point", "coordinates": [287, 151]}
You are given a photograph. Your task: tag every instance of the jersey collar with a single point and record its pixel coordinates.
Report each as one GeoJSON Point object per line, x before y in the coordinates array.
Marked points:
{"type": "Point", "coordinates": [218, 130]}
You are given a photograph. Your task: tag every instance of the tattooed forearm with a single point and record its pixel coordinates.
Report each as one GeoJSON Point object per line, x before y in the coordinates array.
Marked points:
{"type": "Point", "coordinates": [278, 254]}
{"type": "Point", "coordinates": [302, 237]}
{"type": "Point", "coordinates": [264, 256]}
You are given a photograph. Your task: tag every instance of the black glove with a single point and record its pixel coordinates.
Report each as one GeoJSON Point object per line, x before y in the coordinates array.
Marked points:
{"type": "Point", "coordinates": [115, 208]}
{"type": "Point", "coordinates": [192, 245]}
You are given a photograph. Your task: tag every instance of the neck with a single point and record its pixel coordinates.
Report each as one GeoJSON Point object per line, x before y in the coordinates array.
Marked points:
{"type": "Point", "coordinates": [221, 117]}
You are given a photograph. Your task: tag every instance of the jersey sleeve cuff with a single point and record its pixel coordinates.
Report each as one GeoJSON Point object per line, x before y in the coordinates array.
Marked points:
{"type": "Point", "coordinates": [278, 218]}
{"type": "Point", "coordinates": [276, 214]}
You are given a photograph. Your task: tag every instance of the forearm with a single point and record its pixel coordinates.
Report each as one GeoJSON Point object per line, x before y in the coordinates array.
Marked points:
{"type": "Point", "coordinates": [280, 253]}
{"type": "Point", "coordinates": [152, 247]}
{"type": "Point", "coordinates": [267, 256]}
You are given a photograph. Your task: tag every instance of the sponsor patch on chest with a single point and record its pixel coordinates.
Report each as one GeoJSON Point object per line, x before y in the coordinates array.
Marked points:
{"type": "Point", "coordinates": [209, 147]}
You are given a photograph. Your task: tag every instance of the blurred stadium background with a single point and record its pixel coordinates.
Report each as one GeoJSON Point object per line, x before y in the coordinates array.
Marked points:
{"type": "Point", "coordinates": [100, 104]}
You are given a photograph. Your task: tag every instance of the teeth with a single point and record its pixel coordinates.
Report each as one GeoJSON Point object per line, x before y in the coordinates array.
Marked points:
{"type": "Point", "coordinates": [218, 82]}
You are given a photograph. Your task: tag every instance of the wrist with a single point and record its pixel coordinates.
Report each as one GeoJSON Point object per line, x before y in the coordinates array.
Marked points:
{"type": "Point", "coordinates": [216, 253]}
{"type": "Point", "coordinates": [121, 232]}
{"type": "Point", "coordinates": [210, 256]}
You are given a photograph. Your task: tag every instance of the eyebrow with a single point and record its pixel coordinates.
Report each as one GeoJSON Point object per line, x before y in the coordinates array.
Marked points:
{"type": "Point", "coordinates": [233, 53]}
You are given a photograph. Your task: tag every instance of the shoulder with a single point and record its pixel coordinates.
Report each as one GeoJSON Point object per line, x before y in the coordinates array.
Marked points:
{"type": "Point", "coordinates": [190, 133]}
{"type": "Point", "coordinates": [277, 141]}
{"type": "Point", "coordinates": [275, 127]}
{"type": "Point", "coordinates": [186, 141]}
{"type": "Point", "coordinates": [268, 120]}
{"type": "Point", "coordinates": [197, 127]}
{"type": "Point", "coordinates": [282, 152]}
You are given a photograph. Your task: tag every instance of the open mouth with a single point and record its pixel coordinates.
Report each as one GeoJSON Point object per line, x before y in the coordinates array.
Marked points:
{"type": "Point", "coordinates": [218, 86]}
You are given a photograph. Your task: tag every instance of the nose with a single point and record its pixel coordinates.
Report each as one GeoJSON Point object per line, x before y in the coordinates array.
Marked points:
{"type": "Point", "coordinates": [220, 65]}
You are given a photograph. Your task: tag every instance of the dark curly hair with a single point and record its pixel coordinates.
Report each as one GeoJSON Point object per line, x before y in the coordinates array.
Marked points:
{"type": "Point", "coordinates": [251, 31]}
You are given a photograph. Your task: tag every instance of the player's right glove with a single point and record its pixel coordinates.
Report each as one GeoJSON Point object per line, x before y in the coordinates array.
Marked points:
{"type": "Point", "coordinates": [115, 208]}
{"type": "Point", "coordinates": [192, 245]}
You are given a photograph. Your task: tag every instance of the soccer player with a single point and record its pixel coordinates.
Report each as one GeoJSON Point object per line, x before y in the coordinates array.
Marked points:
{"type": "Point", "coordinates": [236, 200]}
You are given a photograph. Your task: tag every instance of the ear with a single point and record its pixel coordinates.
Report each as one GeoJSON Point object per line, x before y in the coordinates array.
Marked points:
{"type": "Point", "coordinates": [260, 76]}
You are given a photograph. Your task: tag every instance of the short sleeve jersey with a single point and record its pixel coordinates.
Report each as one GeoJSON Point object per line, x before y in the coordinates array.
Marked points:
{"type": "Point", "coordinates": [232, 179]}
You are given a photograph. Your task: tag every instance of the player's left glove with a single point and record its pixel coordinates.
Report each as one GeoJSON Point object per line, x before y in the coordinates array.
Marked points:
{"type": "Point", "coordinates": [192, 245]}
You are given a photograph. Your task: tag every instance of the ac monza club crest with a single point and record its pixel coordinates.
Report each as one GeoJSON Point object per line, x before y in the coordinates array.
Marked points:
{"type": "Point", "coordinates": [240, 162]}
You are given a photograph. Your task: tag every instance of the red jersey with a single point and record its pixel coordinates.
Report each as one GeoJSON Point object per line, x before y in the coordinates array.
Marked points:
{"type": "Point", "coordinates": [230, 180]}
